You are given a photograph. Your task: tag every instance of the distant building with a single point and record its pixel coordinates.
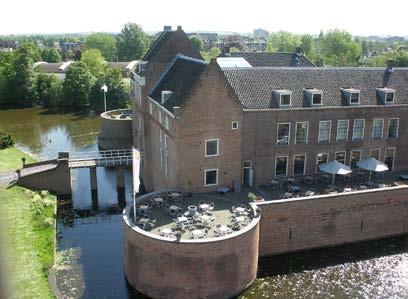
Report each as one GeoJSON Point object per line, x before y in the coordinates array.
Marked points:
{"type": "Point", "coordinates": [70, 46]}
{"type": "Point", "coordinates": [6, 46]}
{"type": "Point", "coordinates": [260, 33]}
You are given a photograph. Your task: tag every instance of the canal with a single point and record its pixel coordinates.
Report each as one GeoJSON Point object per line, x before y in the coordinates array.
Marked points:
{"type": "Point", "coordinates": [90, 236]}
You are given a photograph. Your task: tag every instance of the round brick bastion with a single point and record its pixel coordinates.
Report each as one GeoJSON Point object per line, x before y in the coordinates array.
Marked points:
{"type": "Point", "coordinates": [116, 129]}
{"type": "Point", "coordinates": [175, 267]}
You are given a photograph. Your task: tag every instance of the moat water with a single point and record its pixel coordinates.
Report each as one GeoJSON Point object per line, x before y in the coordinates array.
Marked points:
{"type": "Point", "coordinates": [90, 233]}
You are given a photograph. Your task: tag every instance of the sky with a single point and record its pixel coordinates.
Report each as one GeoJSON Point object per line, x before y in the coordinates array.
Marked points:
{"type": "Point", "coordinates": [360, 17]}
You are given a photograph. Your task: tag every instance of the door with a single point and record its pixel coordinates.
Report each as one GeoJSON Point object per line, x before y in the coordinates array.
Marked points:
{"type": "Point", "coordinates": [248, 174]}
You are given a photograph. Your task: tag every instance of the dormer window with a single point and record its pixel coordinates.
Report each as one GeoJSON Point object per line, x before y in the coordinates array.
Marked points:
{"type": "Point", "coordinates": [284, 97]}
{"type": "Point", "coordinates": [314, 96]}
{"type": "Point", "coordinates": [387, 95]}
{"type": "Point", "coordinates": [352, 95]}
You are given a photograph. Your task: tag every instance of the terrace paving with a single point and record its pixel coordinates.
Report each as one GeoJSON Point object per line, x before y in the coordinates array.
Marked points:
{"type": "Point", "coordinates": [222, 210]}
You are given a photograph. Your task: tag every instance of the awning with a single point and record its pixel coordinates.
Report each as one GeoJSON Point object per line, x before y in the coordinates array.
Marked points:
{"type": "Point", "coordinates": [372, 164]}
{"type": "Point", "coordinates": [335, 167]}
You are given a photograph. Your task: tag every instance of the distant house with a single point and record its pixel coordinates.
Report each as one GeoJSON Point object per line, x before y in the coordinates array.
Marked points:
{"type": "Point", "coordinates": [6, 46]}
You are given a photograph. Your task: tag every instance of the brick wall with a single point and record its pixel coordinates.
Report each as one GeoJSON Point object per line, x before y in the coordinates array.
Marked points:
{"type": "Point", "coordinates": [294, 225]}
{"type": "Point", "coordinates": [260, 135]}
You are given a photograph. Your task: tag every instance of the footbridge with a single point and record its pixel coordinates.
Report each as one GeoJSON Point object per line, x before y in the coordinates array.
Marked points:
{"type": "Point", "coordinates": [55, 174]}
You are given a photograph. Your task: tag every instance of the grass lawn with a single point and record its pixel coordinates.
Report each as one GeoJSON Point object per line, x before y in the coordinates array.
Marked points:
{"type": "Point", "coordinates": [27, 225]}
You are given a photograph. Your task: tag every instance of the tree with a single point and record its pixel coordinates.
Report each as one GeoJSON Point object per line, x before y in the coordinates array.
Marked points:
{"type": "Point", "coordinates": [283, 41]}
{"type": "Point", "coordinates": [306, 44]}
{"type": "Point", "coordinates": [77, 86]}
{"type": "Point", "coordinates": [104, 42]}
{"type": "Point", "coordinates": [213, 53]}
{"type": "Point", "coordinates": [339, 49]}
{"type": "Point", "coordinates": [48, 90]}
{"type": "Point", "coordinates": [117, 95]}
{"type": "Point", "coordinates": [197, 43]}
{"type": "Point", "coordinates": [50, 55]}
{"type": "Point", "coordinates": [131, 42]}
{"type": "Point", "coordinates": [94, 61]}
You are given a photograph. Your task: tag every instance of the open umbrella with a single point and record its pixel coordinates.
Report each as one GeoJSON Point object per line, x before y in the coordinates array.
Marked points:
{"type": "Point", "coordinates": [335, 167]}
{"type": "Point", "coordinates": [372, 164]}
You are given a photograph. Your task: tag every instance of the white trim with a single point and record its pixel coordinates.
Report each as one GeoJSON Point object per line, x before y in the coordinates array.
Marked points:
{"type": "Point", "coordinates": [347, 132]}
{"type": "Point", "coordinates": [151, 109]}
{"type": "Point", "coordinates": [205, 177]}
{"type": "Point", "coordinates": [393, 97]}
{"type": "Point", "coordinates": [232, 125]}
{"type": "Point", "coordinates": [277, 133]}
{"type": "Point", "coordinates": [160, 117]}
{"type": "Point", "coordinates": [376, 149]}
{"type": "Point", "coordinates": [290, 99]}
{"type": "Point", "coordinates": [354, 124]}
{"type": "Point", "coordinates": [318, 134]}
{"type": "Point", "coordinates": [320, 108]}
{"type": "Point", "coordinates": [355, 150]}
{"type": "Point", "coordinates": [393, 157]}
{"type": "Point", "coordinates": [166, 122]}
{"type": "Point", "coordinates": [287, 165]}
{"type": "Point", "coordinates": [243, 164]}
{"type": "Point", "coordinates": [161, 107]}
{"type": "Point", "coordinates": [304, 164]}
{"type": "Point", "coordinates": [348, 92]}
{"type": "Point", "coordinates": [218, 147]}
{"type": "Point", "coordinates": [388, 129]}
{"type": "Point", "coordinates": [382, 129]}
{"type": "Point", "coordinates": [317, 160]}
{"type": "Point", "coordinates": [307, 131]}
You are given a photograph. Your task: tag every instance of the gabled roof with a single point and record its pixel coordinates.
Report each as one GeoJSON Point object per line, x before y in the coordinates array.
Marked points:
{"type": "Point", "coordinates": [254, 86]}
{"type": "Point", "coordinates": [266, 59]}
{"type": "Point", "coordinates": [179, 78]}
{"type": "Point", "coordinates": [158, 43]}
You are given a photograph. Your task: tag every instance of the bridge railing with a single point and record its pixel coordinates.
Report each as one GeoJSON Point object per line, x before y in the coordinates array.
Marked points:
{"type": "Point", "coordinates": [101, 154]}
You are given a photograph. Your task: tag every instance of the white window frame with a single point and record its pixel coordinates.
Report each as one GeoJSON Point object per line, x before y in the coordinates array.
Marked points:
{"type": "Point", "coordinates": [205, 177]}
{"type": "Point", "coordinates": [304, 164]}
{"type": "Point", "coordinates": [218, 147]}
{"type": "Point", "coordinates": [290, 99]}
{"type": "Point", "coordinates": [166, 154]}
{"type": "Point", "coordinates": [347, 132]}
{"type": "Point", "coordinates": [318, 135]}
{"type": "Point", "coordinates": [166, 122]}
{"type": "Point", "coordinates": [350, 96]}
{"type": "Point", "coordinates": [317, 160]}
{"type": "Point", "coordinates": [376, 149]}
{"type": "Point", "coordinates": [393, 157]}
{"type": "Point", "coordinates": [388, 129]}
{"type": "Point", "coordinates": [287, 165]}
{"type": "Point", "coordinates": [321, 98]}
{"type": "Point", "coordinates": [386, 95]}
{"type": "Point", "coordinates": [345, 156]}
{"type": "Point", "coordinates": [277, 133]}
{"type": "Point", "coordinates": [160, 116]}
{"type": "Point", "coordinates": [307, 131]}
{"type": "Point", "coordinates": [382, 129]}
{"type": "Point", "coordinates": [151, 109]}
{"type": "Point", "coordinates": [355, 150]}
{"type": "Point", "coordinates": [354, 124]}
{"type": "Point", "coordinates": [232, 125]}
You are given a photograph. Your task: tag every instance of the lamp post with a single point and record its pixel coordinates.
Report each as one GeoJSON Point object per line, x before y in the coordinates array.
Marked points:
{"type": "Point", "coordinates": [104, 88]}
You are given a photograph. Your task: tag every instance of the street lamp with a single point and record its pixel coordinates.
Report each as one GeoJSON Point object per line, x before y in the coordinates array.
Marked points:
{"type": "Point", "coordinates": [104, 88]}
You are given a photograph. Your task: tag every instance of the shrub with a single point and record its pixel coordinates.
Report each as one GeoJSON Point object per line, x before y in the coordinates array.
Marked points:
{"type": "Point", "coordinates": [6, 140]}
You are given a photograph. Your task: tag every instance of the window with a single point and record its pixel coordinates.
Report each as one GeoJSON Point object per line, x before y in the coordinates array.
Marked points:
{"type": "Point", "coordinates": [283, 134]}
{"type": "Point", "coordinates": [285, 100]}
{"type": "Point", "coordinates": [234, 125]}
{"type": "Point", "coordinates": [340, 157]}
{"type": "Point", "coordinates": [281, 166]}
{"type": "Point", "coordinates": [151, 108]}
{"type": "Point", "coordinates": [354, 158]}
{"type": "Point", "coordinates": [389, 156]}
{"type": "Point", "coordinates": [358, 129]}
{"type": "Point", "coordinates": [354, 98]}
{"type": "Point", "coordinates": [140, 123]}
{"type": "Point", "coordinates": [161, 148]}
{"type": "Point", "coordinates": [301, 132]}
{"type": "Point", "coordinates": [324, 131]}
{"type": "Point", "coordinates": [160, 116]}
{"type": "Point", "coordinates": [211, 177]}
{"type": "Point", "coordinates": [393, 125]}
{"type": "Point", "coordinates": [378, 125]}
{"type": "Point", "coordinates": [342, 130]}
{"type": "Point", "coordinates": [211, 147]}
{"type": "Point", "coordinates": [389, 98]}
{"type": "Point", "coordinates": [299, 164]}
{"type": "Point", "coordinates": [317, 99]}
{"type": "Point", "coordinates": [321, 158]}
{"type": "Point", "coordinates": [375, 153]}
{"type": "Point", "coordinates": [247, 164]}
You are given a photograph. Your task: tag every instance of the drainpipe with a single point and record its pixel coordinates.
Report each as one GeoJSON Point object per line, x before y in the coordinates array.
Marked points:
{"type": "Point", "coordinates": [256, 147]}
{"type": "Point", "coordinates": [176, 111]}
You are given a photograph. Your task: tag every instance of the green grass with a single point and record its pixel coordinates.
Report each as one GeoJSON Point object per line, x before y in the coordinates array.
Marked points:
{"type": "Point", "coordinates": [27, 225]}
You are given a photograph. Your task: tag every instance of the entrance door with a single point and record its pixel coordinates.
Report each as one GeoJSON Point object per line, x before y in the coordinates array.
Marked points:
{"type": "Point", "coordinates": [248, 174]}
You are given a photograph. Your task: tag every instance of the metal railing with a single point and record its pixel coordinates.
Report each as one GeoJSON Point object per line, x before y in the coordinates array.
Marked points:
{"type": "Point", "coordinates": [108, 158]}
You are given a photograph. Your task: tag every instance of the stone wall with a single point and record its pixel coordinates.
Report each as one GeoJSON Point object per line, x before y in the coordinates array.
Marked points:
{"type": "Point", "coordinates": [115, 133]}
{"type": "Point", "coordinates": [329, 220]}
{"type": "Point", "coordinates": [213, 268]}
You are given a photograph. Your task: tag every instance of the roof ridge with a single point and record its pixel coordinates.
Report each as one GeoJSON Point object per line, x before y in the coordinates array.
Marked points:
{"type": "Point", "coordinates": [310, 68]}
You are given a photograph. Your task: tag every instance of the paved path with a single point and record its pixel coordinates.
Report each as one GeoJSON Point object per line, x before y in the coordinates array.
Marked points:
{"type": "Point", "coordinates": [6, 178]}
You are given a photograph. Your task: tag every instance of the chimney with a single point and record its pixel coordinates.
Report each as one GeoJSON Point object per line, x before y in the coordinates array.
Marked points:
{"type": "Point", "coordinates": [165, 95]}
{"type": "Point", "coordinates": [179, 28]}
{"type": "Point", "coordinates": [166, 28]}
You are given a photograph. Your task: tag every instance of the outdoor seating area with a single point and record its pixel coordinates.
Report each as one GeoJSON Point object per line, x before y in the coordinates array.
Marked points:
{"type": "Point", "coordinates": [323, 183]}
{"type": "Point", "coordinates": [184, 216]}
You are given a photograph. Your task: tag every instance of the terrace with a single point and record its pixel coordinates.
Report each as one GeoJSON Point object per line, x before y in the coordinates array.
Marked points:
{"type": "Point", "coordinates": [174, 214]}
{"type": "Point", "coordinates": [321, 183]}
